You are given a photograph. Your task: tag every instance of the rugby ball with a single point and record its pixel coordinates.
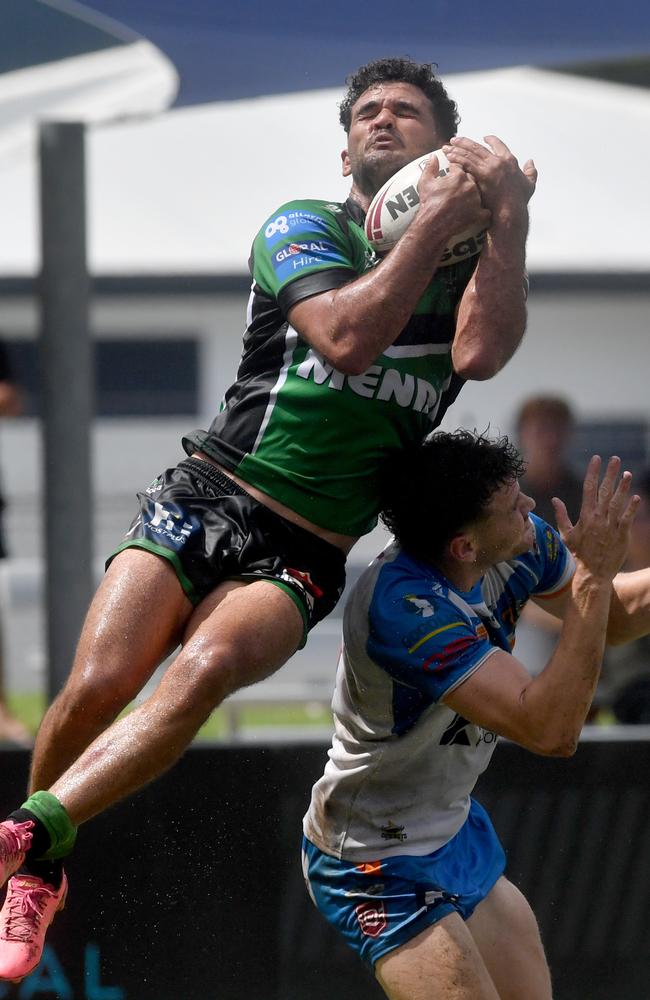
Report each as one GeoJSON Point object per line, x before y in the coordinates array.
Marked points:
{"type": "Point", "coordinates": [395, 205]}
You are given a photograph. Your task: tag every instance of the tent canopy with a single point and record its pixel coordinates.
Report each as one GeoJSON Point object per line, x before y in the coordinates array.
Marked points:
{"type": "Point", "coordinates": [228, 51]}
{"type": "Point", "coordinates": [184, 192]}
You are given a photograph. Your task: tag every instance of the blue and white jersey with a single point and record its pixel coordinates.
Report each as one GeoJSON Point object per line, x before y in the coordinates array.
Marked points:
{"type": "Point", "coordinates": [402, 765]}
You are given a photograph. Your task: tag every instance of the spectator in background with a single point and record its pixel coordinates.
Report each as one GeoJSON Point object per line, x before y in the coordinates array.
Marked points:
{"type": "Point", "coordinates": [623, 693]}
{"type": "Point", "coordinates": [11, 729]}
{"type": "Point", "coordinates": [545, 426]}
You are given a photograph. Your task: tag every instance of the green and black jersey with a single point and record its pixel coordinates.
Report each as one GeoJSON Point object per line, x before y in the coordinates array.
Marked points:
{"type": "Point", "coordinates": [291, 424]}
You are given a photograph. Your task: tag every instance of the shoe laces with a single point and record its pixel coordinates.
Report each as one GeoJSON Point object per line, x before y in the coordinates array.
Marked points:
{"type": "Point", "coordinates": [25, 906]}
{"type": "Point", "coordinates": [15, 839]}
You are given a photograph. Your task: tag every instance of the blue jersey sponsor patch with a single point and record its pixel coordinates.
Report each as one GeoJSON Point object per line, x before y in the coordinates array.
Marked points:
{"type": "Point", "coordinates": [294, 257]}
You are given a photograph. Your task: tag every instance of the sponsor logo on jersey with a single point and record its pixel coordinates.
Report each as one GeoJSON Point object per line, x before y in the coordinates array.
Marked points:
{"type": "Point", "coordinates": [460, 732]}
{"type": "Point", "coordinates": [552, 547]}
{"type": "Point", "coordinates": [281, 225]}
{"type": "Point", "coordinates": [393, 832]}
{"type": "Point", "coordinates": [385, 384]}
{"type": "Point", "coordinates": [320, 247]}
{"type": "Point", "coordinates": [457, 733]}
{"type": "Point", "coordinates": [418, 605]}
{"type": "Point", "coordinates": [372, 918]}
{"type": "Point", "coordinates": [294, 257]}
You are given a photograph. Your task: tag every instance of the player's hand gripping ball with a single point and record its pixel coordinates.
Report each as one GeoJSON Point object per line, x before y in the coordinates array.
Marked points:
{"type": "Point", "coordinates": [395, 205]}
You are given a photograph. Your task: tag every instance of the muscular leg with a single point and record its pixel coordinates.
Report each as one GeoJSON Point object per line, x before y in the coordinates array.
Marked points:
{"type": "Point", "coordinates": [507, 936]}
{"type": "Point", "coordinates": [441, 963]}
{"type": "Point", "coordinates": [135, 619]}
{"type": "Point", "coordinates": [239, 635]}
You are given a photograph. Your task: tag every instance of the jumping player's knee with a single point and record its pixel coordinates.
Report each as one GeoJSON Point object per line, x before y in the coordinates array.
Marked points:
{"type": "Point", "coordinates": [94, 698]}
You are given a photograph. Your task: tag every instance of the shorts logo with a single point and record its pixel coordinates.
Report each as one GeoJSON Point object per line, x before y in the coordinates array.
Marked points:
{"type": "Point", "coordinates": [166, 522]}
{"type": "Point", "coordinates": [393, 832]}
{"type": "Point", "coordinates": [434, 896]}
{"type": "Point", "coordinates": [372, 918]}
{"type": "Point", "coordinates": [303, 580]}
{"type": "Point", "coordinates": [154, 487]}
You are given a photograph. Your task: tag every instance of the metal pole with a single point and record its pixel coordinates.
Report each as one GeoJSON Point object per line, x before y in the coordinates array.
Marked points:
{"type": "Point", "coordinates": [67, 378]}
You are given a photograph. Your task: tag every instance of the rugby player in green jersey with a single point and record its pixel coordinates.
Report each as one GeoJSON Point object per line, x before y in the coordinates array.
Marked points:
{"type": "Point", "coordinates": [240, 549]}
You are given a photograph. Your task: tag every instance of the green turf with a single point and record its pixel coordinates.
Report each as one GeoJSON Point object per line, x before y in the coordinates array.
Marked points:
{"type": "Point", "coordinates": [29, 708]}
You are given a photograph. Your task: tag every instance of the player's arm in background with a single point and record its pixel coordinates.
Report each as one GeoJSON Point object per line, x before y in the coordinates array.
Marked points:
{"type": "Point", "coordinates": [546, 713]}
{"type": "Point", "coordinates": [492, 312]}
{"type": "Point", "coordinates": [352, 325]}
{"type": "Point", "coordinates": [629, 611]}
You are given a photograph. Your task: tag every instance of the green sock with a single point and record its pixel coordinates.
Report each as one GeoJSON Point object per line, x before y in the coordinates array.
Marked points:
{"type": "Point", "coordinates": [47, 808]}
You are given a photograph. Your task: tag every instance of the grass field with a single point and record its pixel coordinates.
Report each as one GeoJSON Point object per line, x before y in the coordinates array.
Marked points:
{"type": "Point", "coordinates": [29, 709]}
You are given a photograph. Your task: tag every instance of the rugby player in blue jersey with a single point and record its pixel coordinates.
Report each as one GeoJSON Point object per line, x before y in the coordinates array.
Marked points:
{"type": "Point", "coordinates": [397, 854]}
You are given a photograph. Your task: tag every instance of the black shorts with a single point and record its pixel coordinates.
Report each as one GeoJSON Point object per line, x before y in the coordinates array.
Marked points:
{"type": "Point", "coordinates": [210, 530]}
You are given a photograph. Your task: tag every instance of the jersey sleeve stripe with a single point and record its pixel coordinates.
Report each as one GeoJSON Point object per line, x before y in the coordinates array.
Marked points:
{"type": "Point", "coordinates": [437, 631]}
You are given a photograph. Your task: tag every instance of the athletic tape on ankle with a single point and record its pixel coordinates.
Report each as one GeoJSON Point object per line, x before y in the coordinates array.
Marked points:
{"type": "Point", "coordinates": [47, 808]}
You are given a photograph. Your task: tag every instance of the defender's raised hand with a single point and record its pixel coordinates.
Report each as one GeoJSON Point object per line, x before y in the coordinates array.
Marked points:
{"type": "Point", "coordinates": [600, 538]}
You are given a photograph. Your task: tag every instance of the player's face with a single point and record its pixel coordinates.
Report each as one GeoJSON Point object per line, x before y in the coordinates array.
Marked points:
{"type": "Point", "coordinates": [506, 531]}
{"type": "Point", "coordinates": [391, 124]}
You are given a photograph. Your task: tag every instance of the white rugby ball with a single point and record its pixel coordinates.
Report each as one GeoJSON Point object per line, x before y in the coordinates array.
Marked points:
{"type": "Point", "coordinates": [395, 205]}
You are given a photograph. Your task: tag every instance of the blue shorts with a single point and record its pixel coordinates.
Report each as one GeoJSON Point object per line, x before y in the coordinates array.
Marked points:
{"type": "Point", "coordinates": [380, 905]}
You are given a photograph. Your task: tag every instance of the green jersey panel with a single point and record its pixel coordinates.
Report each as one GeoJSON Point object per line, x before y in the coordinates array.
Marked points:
{"type": "Point", "coordinates": [292, 425]}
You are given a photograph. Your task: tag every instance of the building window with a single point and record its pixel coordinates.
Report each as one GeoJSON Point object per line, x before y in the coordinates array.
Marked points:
{"type": "Point", "coordinates": [134, 377]}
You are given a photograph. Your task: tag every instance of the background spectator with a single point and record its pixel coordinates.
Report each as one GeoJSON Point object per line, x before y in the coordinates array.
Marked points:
{"type": "Point", "coordinates": [11, 728]}
{"type": "Point", "coordinates": [545, 426]}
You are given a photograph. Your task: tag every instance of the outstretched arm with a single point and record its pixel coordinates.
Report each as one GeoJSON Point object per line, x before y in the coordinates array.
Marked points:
{"type": "Point", "coordinates": [629, 616]}
{"type": "Point", "coordinates": [492, 311]}
{"type": "Point", "coordinates": [546, 713]}
{"type": "Point", "coordinates": [629, 610]}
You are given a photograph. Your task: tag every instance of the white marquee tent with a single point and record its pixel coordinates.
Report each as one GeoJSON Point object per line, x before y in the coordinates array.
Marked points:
{"type": "Point", "coordinates": [184, 191]}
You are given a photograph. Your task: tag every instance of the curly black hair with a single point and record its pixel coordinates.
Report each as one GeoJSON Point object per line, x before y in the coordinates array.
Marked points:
{"type": "Point", "coordinates": [402, 70]}
{"type": "Point", "coordinates": [433, 491]}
